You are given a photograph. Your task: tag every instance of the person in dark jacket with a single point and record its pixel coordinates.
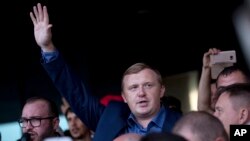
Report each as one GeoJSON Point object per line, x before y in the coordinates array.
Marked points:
{"type": "Point", "coordinates": [142, 88]}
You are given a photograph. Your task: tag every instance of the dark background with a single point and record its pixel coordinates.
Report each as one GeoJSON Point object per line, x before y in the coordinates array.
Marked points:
{"type": "Point", "coordinates": [100, 39]}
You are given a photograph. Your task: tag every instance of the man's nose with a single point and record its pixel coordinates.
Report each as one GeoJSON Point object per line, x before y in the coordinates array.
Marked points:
{"type": "Point", "coordinates": [29, 126]}
{"type": "Point", "coordinates": [141, 91]}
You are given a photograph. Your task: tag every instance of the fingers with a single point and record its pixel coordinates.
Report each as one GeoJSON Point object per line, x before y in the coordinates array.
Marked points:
{"type": "Point", "coordinates": [45, 14]}
{"type": "Point", "coordinates": [213, 51]}
{"type": "Point", "coordinates": [33, 18]}
{"type": "Point", "coordinates": [39, 14]}
{"type": "Point", "coordinates": [35, 13]}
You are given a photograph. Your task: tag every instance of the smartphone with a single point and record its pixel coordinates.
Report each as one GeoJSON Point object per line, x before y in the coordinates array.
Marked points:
{"type": "Point", "coordinates": [221, 60]}
{"type": "Point", "coordinates": [223, 57]}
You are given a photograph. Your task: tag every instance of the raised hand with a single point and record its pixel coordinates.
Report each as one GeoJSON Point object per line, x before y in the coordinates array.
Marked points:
{"type": "Point", "coordinates": [42, 28]}
{"type": "Point", "coordinates": [206, 56]}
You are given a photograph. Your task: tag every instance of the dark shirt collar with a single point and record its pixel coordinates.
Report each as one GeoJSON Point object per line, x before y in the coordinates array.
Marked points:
{"type": "Point", "coordinates": [158, 120]}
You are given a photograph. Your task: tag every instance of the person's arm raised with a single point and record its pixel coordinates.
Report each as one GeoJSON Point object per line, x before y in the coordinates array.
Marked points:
{"type": "Point", "coordinates": [68, 83]}
{"type": "Point", "coordinates": [204, 90]}
{"type": "Point", "coordinates": [42, 28]}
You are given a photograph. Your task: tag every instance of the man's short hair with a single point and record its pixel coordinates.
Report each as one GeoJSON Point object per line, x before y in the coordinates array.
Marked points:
{"type": "Point", "coordinates": [53, 109]}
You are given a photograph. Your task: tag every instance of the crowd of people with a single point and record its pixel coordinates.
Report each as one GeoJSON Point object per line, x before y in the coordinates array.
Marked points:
{"type": "Point", "coordinates": [143, 113]}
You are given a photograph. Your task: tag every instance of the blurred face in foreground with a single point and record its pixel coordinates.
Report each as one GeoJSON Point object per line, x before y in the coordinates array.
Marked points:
{"type": "Point", "coordinates": [128, 137]}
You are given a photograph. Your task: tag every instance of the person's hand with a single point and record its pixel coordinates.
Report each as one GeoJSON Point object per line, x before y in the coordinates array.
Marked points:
{"type": "Point", "coordinates": [206, 57]}
{"type": "Point", "coordinates": [42, 28]}
{"type": "Point", "coordinates": [65, 105]}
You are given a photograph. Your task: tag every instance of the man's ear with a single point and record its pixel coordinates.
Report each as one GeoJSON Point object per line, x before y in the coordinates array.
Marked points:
{"type": "Point", "coordinates": [56, 123]}
{"type": "Point", "coordinates": [243, 117]}
{"type": "Point", "coordinates": [124, 98]}
{"type": "Point", "coordinates": [163, 88]}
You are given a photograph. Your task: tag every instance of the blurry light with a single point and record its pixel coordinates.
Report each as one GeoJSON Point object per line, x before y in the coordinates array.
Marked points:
{"type": "Point", "coordinates": [193, 98]}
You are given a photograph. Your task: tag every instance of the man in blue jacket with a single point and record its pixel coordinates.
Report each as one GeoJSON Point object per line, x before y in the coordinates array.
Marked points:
{"type": "Point", "coordinates": [142, 89]}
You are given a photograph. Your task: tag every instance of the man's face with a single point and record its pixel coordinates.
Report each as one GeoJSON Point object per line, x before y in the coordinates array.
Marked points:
{"type": "Point", "coordinates": [226, 111]}
{"type": "Point", "coordinates": [226, 80]}
{"type": "Point", "coordinates": [235, 77]}
{"type": "Point", "coordinates": [142, 91]}
{"type": "Point", "coordinates": [38, 109]}
{"type": "Point", "coordinates": [76, 127]}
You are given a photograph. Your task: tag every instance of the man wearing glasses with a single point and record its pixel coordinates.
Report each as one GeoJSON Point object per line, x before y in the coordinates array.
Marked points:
{"type": "Point", "coordinates": [40, 119]}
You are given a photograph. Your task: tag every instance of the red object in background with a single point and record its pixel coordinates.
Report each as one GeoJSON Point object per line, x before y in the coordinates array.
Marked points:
{"type": "Point", "coordinates": [110, 97]}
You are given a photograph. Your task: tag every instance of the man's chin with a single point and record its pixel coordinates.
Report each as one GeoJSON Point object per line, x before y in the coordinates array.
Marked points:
{"type": "Point", "coordinates": [143, 112]}
{"type": "Point", "coordinates": [32, 137]}
{"type": "Point", "coordinates": [76, 136]}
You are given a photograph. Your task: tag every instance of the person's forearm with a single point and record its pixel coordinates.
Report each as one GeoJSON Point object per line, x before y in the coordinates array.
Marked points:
{"type": "Point", "coordinates": [70, 86]}
{"type": "Point", "coordinates": [204, 90]}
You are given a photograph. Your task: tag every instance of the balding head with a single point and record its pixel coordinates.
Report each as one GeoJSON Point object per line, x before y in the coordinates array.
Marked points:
{"type": "Point", "coordinates": [128, 137]}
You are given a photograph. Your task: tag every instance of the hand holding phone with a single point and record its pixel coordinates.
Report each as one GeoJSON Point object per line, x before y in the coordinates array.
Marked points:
{"type": "Point", "coordinates": [221, 60]}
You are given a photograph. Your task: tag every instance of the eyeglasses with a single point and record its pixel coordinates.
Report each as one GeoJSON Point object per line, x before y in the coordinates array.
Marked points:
{"type": "Point", "coordinates": [34, 122]}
